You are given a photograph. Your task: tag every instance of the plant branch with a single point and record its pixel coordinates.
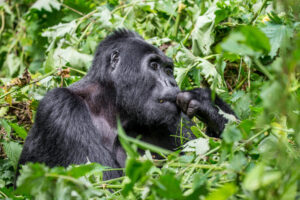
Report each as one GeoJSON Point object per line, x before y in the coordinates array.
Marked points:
{"type": "Point", "coordinates": [74, 10]}
{"type": "Point", "coordinates": [35, 81]}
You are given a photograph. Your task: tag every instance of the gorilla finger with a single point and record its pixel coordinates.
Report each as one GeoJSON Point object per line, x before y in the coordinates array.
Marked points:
{"type": "Point", "coordinates": [193, 108]}
{"type": "Point", "coordinates": [183, 99]}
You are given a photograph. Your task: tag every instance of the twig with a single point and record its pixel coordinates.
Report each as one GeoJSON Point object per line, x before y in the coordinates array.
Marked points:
{"type": "Point", "coordinates": [35, 81]}
{"type": "Point", "coordinates": [74, 10]}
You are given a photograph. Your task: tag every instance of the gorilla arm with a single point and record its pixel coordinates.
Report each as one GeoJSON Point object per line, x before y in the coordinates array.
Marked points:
{"type": "Point", "coordinates": [198, 102]}
{"type": "Point", "coordinates": [64, 134]}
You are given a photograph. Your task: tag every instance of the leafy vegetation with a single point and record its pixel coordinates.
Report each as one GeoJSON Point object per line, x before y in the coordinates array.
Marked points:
{"type": "Point", "coordinates": [246, 51]}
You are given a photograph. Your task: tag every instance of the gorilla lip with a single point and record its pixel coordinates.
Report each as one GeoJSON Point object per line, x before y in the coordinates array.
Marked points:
{"type": "Point", "coordinates": [167, 99]}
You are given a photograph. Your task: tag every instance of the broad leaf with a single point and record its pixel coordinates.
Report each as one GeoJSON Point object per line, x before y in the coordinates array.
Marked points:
{"type": "Point", "coordinates": [277, 34]}
{"type": "Point", "coordinates": [13, 152]}
{"type": "Point", "coordinates": [47, 5]}
{"type": "Point", "coordinates": [202, 35]}
{"type": "Point", "coordinates": [247, 40]}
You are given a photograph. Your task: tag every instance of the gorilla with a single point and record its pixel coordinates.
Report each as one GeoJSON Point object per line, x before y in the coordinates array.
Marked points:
{"type": "Point", "coordinates": [129, 79]}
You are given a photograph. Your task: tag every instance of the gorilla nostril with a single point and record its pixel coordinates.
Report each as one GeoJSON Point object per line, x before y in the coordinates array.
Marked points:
{"type": "Point", "coordinates": [173, 84]}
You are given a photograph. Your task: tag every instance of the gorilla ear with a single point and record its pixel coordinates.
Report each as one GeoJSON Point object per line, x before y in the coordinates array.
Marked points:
{"type": "Point", "coordinates": [114, 59]}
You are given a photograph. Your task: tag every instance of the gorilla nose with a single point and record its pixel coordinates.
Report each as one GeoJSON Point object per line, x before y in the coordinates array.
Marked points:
{"type": "Point", "coordinates": [169, 94]}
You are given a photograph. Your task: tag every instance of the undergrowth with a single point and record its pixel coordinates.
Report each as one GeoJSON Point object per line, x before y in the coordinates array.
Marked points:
{"type": "Point", "coordinates": [246, 51]}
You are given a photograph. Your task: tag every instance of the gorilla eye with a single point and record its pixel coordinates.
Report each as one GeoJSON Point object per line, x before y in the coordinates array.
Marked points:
{"type": "Point", "coordinates": [154, 65]}
{"type": "Point", "coordinates": [169, 71]}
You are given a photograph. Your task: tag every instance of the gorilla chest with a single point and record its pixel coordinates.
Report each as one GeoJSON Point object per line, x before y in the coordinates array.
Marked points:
{"type": "Point", "coordinates": [106, 133]}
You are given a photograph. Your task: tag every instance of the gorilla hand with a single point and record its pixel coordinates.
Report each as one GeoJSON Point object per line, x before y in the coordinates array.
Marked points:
{"type": "Point", "coordinates": [198, 102]}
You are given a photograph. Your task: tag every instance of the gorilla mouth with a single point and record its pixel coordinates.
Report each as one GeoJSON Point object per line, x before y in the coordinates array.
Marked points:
{"type": "Point", "coordinates": [170, 99]}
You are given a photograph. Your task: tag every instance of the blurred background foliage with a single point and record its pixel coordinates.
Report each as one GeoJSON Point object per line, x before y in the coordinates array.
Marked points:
{"type": "Point", "coordinates": [248, 51]}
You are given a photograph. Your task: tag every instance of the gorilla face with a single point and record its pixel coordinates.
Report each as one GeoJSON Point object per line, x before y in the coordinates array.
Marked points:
{"type": "Point", "coordinates": [144, 82]}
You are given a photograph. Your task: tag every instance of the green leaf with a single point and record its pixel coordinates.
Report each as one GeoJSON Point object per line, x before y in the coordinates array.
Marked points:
{"type": "Point", "coordinates": [60, 30]}
{"type": "Point", "coordinates": [247, 40]}
{"type": "Point", "coordinates": [242, 106]}
{"type": "Point", "coordinates": [199, 186]}
{"type": "Point", "coordinates": [49, 63]}
{"type": "Point", "coordinates": [277, 34]}
{"type": "Point", "coordinates": [13, 152]}
{"type": "Point", "coordinates": [167, 6]}
{"type": "Point", "coordinates": [87, 169]}
{"type": "Point", "coordinates": [46, 5]}
{"type": "Point", "coordinates": [258, 177]}
{"type": "Point", "coordinates": [223, 193]}
{"type": "Point", "coordinates": [6, 126]}
{"type": "Point", "coordinates": [246, 125]}
{"type": "Point", "coordinates": [231, 134]}
{"type": "Point", "coordinates": [135, 170]}
{"type": "Point", "coordinates": [3, 111]}
{"type": "Point", "coordinates": [203, 35]}
{"type": "Point", "coordinates": [70, 55]}
{"type": "Point", "coordinates": [32, 179]}
{"type": "Point", "coordinates": [238, 162]}
{"type": "Point", "coordinates": [20, 131]}
{"type": "Point", "coordinates": [181, 75]}
{"type": "Point", "coordinates": [200, 146]}
{"type": "Point", "coordinates": [12, 63]}
{"type": "Point", "coordinates": [168, 186]}
{"type": "Point", "coordinates": [290, 192]}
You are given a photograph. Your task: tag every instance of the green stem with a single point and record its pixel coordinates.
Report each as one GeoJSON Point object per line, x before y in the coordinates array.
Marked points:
{"type": "Point", "coordinates": [177, 24]}
{"type": "Point", "coordinates": [263, 69]}
{"type": "Point", "coordinates": [259, 11]}
{"type": "Point", "coordinates": [143, 145]}
{"type": "Point", "coordinates": [77, 70]}
{"type": "Point", "coordinates": [2, 21]}
{"type": "Point", "coordinates": [241, 83]}
{"type": "Point", "coordinates": [194, 165]}
{"type": "Point", "coordinates": [110, 180]}
{"type": "Point", "coordinates": [197, 163]}
{"type": "Point", "coordinates": [251, 139]}
{"type": "Point", "coordinates": [4, 195]}
{"type": "Point", "coordinates": [66, 178]}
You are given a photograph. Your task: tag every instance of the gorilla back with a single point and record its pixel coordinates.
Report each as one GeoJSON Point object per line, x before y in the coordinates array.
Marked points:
{"type": "Point", "coordinates": [131, 79]}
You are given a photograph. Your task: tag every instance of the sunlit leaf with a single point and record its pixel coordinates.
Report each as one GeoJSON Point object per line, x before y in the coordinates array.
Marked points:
{"type": "Point", "coordinates": [47, 5]}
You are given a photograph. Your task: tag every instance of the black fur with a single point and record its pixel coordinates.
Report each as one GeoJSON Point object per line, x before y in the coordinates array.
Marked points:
{"type": "Point", "coordinates": [131, 79]}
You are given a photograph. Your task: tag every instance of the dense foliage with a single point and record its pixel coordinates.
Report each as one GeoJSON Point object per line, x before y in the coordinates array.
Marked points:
{"type": "Point", "coordinates": [247, 51]}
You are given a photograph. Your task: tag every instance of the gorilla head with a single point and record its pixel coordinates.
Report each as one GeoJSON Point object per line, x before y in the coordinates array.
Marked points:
{"type": "Point", "coordinates": [141, 77]}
